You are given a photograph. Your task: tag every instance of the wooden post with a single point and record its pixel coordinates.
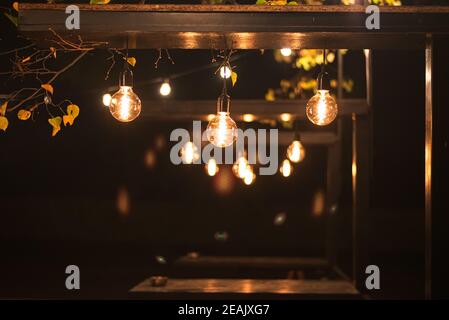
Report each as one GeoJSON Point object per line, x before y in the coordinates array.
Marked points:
{"type": "Point", "coordinates": [428, 169]}
{"type": "Point", "coordinates": [334, 178]}
{"type": "Point", "coordinates": [361, 180]}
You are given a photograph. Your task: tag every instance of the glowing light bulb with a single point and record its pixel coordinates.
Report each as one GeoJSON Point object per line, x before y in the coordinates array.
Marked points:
{"type": "Point", "coordinates": [248, 117]}
{"type": "Point", "coordinates": [125, 105]}
{"type": "Point", "coordinates": [225, 71]}
{"type": "Point", "coordinates": [241, 167]}
{"type": "Point", "coordinates": [296, 151]}
{"type": "Point", "coordinates": [249, 177]}
{"type": "Point", "coordinates": [165, 89]}
{"type": "Point", "coordinates": [221, 130]}
{"type": "Point", "coordinates": [211, 167]}
{"type": "Point", "coordinates": [286, 117]}
{"type": "Point", "coordinates": [107, 99]}
{"type": "Point", "coordinates": [286, 168]}
{"type": "Point", "coordinates": [189, 153]}
{"type": "Point", "coordinates": [286, 52]}
{"type": "Point", "coordinates": [321, 109]}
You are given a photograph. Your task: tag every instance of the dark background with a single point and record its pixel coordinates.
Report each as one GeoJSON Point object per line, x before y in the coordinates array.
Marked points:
{"type": "Point", "coordinates": [58, 198]}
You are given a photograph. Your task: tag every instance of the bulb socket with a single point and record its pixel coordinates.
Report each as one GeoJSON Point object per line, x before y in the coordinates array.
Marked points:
{"type": "Point", "coordinates": [323, 81]}
{"type": "Point", "coordinates": [126, 78]}
{"type": "Point", "coordinates": [223, 103]}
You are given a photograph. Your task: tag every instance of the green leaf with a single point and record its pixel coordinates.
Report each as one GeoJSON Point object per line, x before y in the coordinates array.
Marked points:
{"type": "Point", "coordinates": [13, 19]}
{"type": "Point", "coordinates": [261, 2]}
{"type": "Point", "coordinates": [292, 3]}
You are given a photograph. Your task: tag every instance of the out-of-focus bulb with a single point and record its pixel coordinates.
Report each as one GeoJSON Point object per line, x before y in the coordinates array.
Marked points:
{"type": "Point", "coordinates": [165, 89]}
{"type": "Point", "coordinates": [221, 130]}
{"type": "Point", "coordinates": [225, 71]}
{"type": "Point", "coordinates": [296, 151]}
{"type": "Point", "coordinates": [286, 168]}
{"type": "Point", "coordinates": [249, 177]}
{"type": "Point", "coordinates": [286, 52]}
{"type": "Point", "coordinates": [189, 153]}
{"type": "Point", "coordinates": [322, 109]}
{"type": "Point", "coordinates": [286, 117]}
{"type": "Point", "coordinates": [107, 99]}
{"type": "Point", "coordinates": [125, 105]}
{"type": "Point", "coordinates": [241, 167]}
{"type": "Point", "coordinates": [211, 167]}
{"type": "Point", "coordinates": [248, 117]}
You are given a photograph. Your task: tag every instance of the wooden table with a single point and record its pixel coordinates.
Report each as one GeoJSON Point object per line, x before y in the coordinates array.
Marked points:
{"type": "Point", "coordinates": [246, 289]}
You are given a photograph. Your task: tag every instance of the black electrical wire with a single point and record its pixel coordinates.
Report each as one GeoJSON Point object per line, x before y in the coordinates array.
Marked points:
{"type": "Point", "coordinates": [185, 73]}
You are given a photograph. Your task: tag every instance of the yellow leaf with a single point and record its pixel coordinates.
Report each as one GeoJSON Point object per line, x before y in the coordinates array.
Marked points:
{"type": "Point", "coordinates": [3, 108]}
{"type": "Point", "coordinates": [73, 110]}
{"type": "Point", "coordinates": [47, 87]}
{"type": "Point", "coordinates": [3, 123]}
{"type": "Point", "coordinates": [23, 114]}
{"type": "Point", "coordinates": [269, 96]}
{"type": "Point", "coordinates": [26, 59]}
{"type": "Point", "coordinates": [53, 51]}
{"type": "Point", "coordinates": [15, 5]}
{"type": "Point", "coordinates": [132, 61]}
{"type": "Point", "coordinates": [99, 1]}
{"type": "Point", "coordinates": [56, 124]}
{"type": "Point", "coordinates": [233, 78]}
{"type": "Point", "coordinates": [68, 120]}
{"type": "Point", "coordinates": [278, 2]}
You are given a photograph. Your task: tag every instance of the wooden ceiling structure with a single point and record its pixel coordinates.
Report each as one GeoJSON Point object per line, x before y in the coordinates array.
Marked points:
{"type": "Point", "coordinates": [238, 26]}
{"type": "Point", "coordinates": [265, 27]}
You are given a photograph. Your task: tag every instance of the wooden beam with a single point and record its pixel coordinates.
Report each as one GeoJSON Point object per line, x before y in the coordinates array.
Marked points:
{"type": "Point", "coordinates": [233, 8]}
{"type": "Point", "coordinates": [178, 110]}
{"type": "Point", "coordinates": [252, 262]}
{"type": "Point", "coordinates": [237, 26]}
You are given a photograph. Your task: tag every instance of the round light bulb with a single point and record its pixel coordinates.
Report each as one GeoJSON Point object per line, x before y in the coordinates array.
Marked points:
{"type": "Point", "coordinates": [165, 89]}
{"type": "Point", "coordinates": [296, 151]}
{"type": "Point", "coordinates": [286, 117]}
{"type": "Point", "coordinates": [286, 168]}
{"type": "Point", "coordinates": [221, 130]}
{"type": "Point", "coordinates": [321, 109]}
{"type": "Point", "coordinates": [286, 52]}
{"type": "Point", "coordinates": [249, 177]}
{"type": "Point", "coordinates": [225, 71]}
{"type": "Point", "coordinates": [189, 153]}
{"type": "Point", "coordinates": [107, 99]}
{"type": "Point", "coordinates": [240, 167]}
{"type": "Point", "coordinates": [211, 167]}
{"type": "Point", "coordinates": [248, 117]}
{"type": "Point", "coordinates": [125, 105]}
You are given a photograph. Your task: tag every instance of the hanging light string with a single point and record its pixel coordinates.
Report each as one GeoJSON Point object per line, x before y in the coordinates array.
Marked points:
{"type": "Point", "coordinates": [127, 73]}
{"type": "Point", "coordinates": [223, 102]}
{"type": "Point", "coordinates": [224, 65]}
{"type": "Point", "coordinates": [322, 72]}
{"type": "Point", "coordinates": [184, 73]}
